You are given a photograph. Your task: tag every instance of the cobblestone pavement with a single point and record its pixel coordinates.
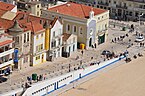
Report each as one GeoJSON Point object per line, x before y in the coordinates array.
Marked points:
{"type": "Point", "coordinates": [52, 69]}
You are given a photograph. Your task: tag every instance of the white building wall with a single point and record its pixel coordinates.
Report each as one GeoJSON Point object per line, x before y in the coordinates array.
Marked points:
{"type": "Point", "coordinates": [57, 29]}
{"type": "Point", "coordinates": [14, 9]}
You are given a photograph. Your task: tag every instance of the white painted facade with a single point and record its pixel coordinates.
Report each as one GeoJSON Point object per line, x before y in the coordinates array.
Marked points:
{"type": "Point", "coordinates": [6, 52]}
{"type": "Point", "coordinates": [14, 9]}
{"type": "Point", "coordinates": [70, 45]}
{"type": "Point", "coordinates": [56, 40]}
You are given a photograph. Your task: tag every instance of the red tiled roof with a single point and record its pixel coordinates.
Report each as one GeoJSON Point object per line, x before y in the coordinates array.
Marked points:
{"type": "Point", "coordinates": [2, 12]}
{"type": "Point", "coordinates": [6, 24]}
{"type": "Point", "coordinates": [6, 6]}
{"type": "Point", "coordinates": [36, 26]}
{"type": "Point", "coordinates": [5, 42]}
{"type": "Point", "coordinates": [76, 10]}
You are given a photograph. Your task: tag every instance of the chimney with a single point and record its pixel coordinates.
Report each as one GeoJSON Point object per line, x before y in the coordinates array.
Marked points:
{"type": "Point", "coordinates": [67, 5]}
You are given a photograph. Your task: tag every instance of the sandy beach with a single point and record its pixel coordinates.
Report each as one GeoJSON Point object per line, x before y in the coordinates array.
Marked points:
{"type": "Point", "coordinates": [125, 80]}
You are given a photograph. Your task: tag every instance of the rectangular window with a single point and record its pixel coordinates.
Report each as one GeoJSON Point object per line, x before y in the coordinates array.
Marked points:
{"type": "Point", "coordinates": [27, 36]}
{"type": "Point", "coordinates": [59, 40]}
{"type": "Point", "coordinates": [53, 33]}
{"type": "Point", "coordinates": [17, 39]}
{"type": "Point", "coordinates": [24, 38]}
{"type": "Point", "coordinates": [37, 57]}
{"type": "Point", "coordinates": [42, 35]}
{"type": "Point", "coordinates": [41, 46]}
{"type": "Point", "coordinates": [37, 37]}
{"type": "Point", "coordinates": [75, 29]}
{"type": "Point", "coordinates": [38, 13]}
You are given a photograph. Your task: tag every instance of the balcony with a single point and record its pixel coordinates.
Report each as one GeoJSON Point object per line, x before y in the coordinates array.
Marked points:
{"type": "Point", "coordinates": [6, 63]}
{"type": "Point", "coordinates": [102, 3]}
{"type": "Point", "coordinates": [139, 9]}
{"type": "Point", "coordinates": [119, 6]}
{"type": "Point", "coordinates": [10, 51]}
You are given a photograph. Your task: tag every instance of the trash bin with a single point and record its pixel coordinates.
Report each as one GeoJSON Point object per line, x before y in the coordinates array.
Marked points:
{"type": "Point", "coordinates": [82, 46]}
{"type": "Point", "coordinates": [34, 76]}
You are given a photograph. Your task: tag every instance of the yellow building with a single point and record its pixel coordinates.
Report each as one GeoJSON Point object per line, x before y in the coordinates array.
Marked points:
{"type": "Point", "coordinates": [83, 21]}
{"type": "Point", "coordinates": [38, 52]}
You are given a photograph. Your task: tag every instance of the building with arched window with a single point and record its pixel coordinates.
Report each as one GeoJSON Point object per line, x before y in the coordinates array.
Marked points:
{"type": "Point", "coordinates": [83, 21]}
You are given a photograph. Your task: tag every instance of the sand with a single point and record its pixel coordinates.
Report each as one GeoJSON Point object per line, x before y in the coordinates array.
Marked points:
{"type": "Point", "coordinates": [125, 80]}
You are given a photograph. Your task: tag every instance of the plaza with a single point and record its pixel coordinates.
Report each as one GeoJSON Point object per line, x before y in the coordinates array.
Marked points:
{"type": "Point", "coordinates": [61, 65]}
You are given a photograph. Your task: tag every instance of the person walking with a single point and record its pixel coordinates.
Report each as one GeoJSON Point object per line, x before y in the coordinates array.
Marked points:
{"type": "Point", "coordinates": [118, 38]}
{"type": "Point", "coordinates": [82, 52]}
{"type": "Point", "coordinates": [112, 41]}
{"type": "Point", "coordinates": [115, 39]}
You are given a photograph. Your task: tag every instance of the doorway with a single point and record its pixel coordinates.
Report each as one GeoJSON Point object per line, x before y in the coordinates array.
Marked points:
{"type": "Point", "coordinates": [42, 58]}
{"type": "Point", "coordinates": [90, 42]}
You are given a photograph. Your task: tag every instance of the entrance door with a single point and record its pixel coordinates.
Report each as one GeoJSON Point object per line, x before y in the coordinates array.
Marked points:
{"type": "Point", "coordinates": [101, 39]}
{"type": "Point", "coordinates": [90, 42]}
{"type": "Point", "coordinates": [42, 58]}
{"type": "Point", "coordinates": [69, 49]}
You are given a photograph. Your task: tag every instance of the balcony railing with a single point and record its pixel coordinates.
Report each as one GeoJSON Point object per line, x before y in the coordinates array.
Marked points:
{"type": "Point", "coordinates": [139, 9]}
{"type": "Point", "coordinates": [102, 3]}
{"type": "Point", "coordinates": [6, 52]}
{"type": "Point", "coordinates": [10, 61]}
{"type": "Point", "coordinates": [119, 6]}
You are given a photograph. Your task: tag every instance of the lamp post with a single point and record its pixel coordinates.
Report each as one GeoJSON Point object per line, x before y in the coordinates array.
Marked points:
{"type": "Point", "coordinates": [139, 17]}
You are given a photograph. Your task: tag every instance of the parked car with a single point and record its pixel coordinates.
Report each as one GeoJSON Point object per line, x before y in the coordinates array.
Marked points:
{"type": "Point", "coordinates": [139, 39]}
{"type": "Point", "coordinates": [106, 52]}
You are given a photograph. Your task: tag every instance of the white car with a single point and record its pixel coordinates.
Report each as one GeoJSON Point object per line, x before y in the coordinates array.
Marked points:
{"type": "Point", "coordinates": [139, 39]}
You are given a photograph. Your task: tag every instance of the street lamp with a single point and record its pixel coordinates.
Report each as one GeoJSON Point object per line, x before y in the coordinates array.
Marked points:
{"type": "Point", "coordinates": [139, 17]}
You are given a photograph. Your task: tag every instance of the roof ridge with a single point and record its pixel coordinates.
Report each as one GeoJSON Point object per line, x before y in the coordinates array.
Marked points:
{"type": "Point", "coordinates": [82, 9]}
{"type": "Point", "coordinates": [32, 26]}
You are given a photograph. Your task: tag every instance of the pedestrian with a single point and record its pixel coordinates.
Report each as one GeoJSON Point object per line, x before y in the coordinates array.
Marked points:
{"type": "Point", "coordinates": [114, 25]}
{"type": "Point", "coordinates": [126, 35]}
{"type": "Point", "coordinates": [136, 33]}
{"type": "Point", "coordinates": [81, 62]}
{"type": "Point", "coordinates": [91, 58]}
{"type": "Point", "coordinates": [129, 40]}
{"type": "Point", "coordinates": [61, 67]}
{"type": "Point", "coordinates": [77, 57]}
{"type": "Point", "coordinates": [37, 78]}
{"type": "Point", "coordinates": [82, 52]}
{"type": "Point", "coordinates": [95, 45]}
{"type": "Point", "coordinates": [112, 41]}
{"type": "Point", "coordinates": [44, 77]}
{"type": "Point", "coordinates": [118, 38]}
{"type": "Point", "coordinates": [98, 62]}
{"type": "Point", "coordinates": [115, 39]}
{"type": "Point", "coordinates": [140, 44]}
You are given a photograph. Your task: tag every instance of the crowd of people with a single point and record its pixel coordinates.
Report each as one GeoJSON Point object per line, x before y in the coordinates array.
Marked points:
{"type": "Point", "coordinates": [120, 38]}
